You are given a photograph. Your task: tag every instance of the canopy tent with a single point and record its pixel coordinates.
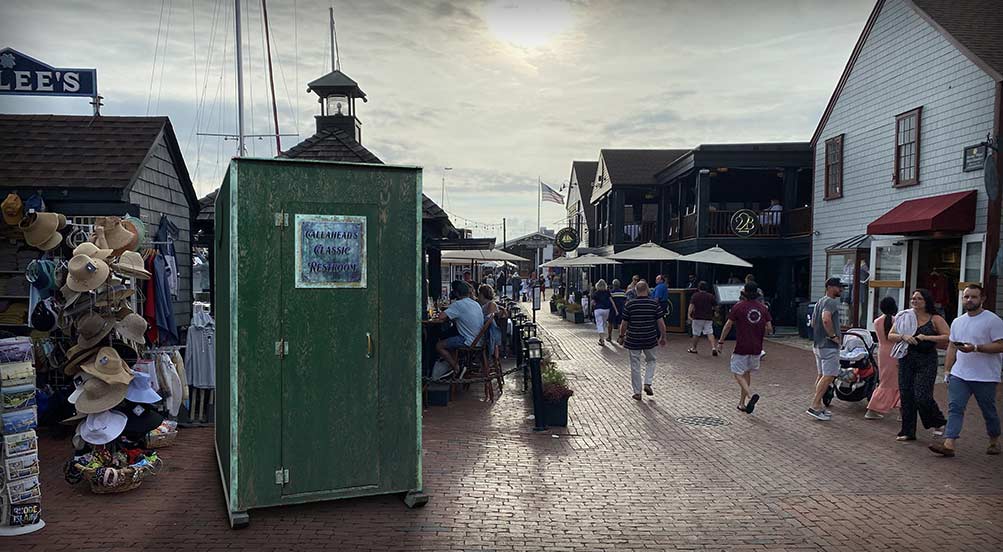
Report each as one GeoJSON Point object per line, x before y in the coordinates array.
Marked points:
{"type": "Point", "coordinates": [481, 255]}
{"type": "Point", "coordinates": [715, 255]}
{"type": "Point", "coordinates": [646, 252]}
{"type": "Point", "coordinates": [557, 263]}
{"type": "Point", "coordinates": [589, 260]}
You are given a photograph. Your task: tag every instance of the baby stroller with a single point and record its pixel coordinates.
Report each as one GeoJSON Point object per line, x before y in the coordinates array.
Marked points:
{"type": "Point", "coordinates": [858, 370]}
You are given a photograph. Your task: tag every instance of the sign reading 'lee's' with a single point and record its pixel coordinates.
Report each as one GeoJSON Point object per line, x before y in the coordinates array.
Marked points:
{"type": "Point", "coordinates": [24, 75]}
{"type": "Point", "coordinates": [330, 251]}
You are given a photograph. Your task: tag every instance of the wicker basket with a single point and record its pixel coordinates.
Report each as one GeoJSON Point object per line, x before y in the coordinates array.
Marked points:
{"type": "Point", "coordinates": [128, 478]}
{"type": "Point", "coordinates": [160, 440]}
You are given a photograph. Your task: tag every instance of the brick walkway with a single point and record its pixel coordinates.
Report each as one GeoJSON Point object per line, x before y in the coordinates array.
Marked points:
{"type": "Point", "coordinates": [624, 476]}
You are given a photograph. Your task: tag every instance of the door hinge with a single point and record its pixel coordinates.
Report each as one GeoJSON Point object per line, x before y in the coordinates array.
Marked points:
{"type": "Point", "coordinates": [281, 348]}
{"type": "Point", "coordinates": [281, 219]}
{"type": "Point", "coordinates": [281, 476]}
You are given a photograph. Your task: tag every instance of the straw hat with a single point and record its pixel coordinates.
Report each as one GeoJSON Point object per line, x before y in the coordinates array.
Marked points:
{"type": "Point", "coordinates": [103, 427]}
{"type": "Point", "coordinates": [109, 367]}
{"type": "Point", "coordinates": [99, 396]}
{"type": "Point", "coordinates": [132, 328]}
{"type": "Point", "coordinates": [119, 238]}
{"type": "Point", "coordinates": [113, 295]}
{"type": "Point", "coordinates": [92, 328]}
{"type": "Point", "coordinates": [131, 264]}
{"type": "Point", "coordinates": [76, 356]}
{"type": "Point", "coordinates": [98, 238]}
{"type": "Point", "coordinates": [86, 273]}
{"type": "Point", "coordinates": [92, 251]}
{"type": "Point", "coordinates": [41, 230]}
{"type": "Point", "coordinates": [13, 209]}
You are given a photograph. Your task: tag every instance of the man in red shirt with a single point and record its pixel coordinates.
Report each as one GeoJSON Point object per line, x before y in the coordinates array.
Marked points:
{"type": "Point", "coordinates": [752, 321]}
{"type": "Point", "coordinates": [701, 316]}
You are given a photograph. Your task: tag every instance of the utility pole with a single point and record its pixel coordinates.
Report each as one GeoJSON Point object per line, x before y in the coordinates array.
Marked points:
{"type": "Point", "coordinates": [504, 239]}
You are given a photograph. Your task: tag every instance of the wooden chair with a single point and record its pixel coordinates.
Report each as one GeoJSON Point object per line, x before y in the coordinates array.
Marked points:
{"type": "Point", "coordinates": [474, 356]}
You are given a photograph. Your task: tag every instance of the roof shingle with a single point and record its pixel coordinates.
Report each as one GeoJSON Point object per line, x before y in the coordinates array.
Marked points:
{"type": "Point", "coordinates": [976, 24]}
{"type": "Point", "coordinates": [637, 166]}
{"type": "Point", "coordinates": [331, 145]}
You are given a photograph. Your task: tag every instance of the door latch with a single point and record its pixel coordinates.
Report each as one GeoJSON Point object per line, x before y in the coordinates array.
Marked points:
{"type": "Point", "coordinates": [281, 348]}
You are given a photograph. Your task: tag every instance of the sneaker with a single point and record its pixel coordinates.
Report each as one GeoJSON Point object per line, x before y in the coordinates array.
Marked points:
{"type": "Point", "coordinates": [993, 449]}
{"type": "Point", "coordinates": [818, 414]}
{"type": "Point", "coordinates": [713, 352]}
{"type": "Point", "coordinates": [871, 415]}
{"type": "Point", "coordinates": [762, 355]}
{"type": "Point", "coordinates": [938, 431]}
{"type": "Point", "coordinates": [648, 391]}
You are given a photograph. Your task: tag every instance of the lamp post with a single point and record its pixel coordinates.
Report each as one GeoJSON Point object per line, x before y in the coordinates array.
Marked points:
{"type": "Point", "coordinates": [528, 332]}
{"type": "Point", "coordinates": [535, 352]}
{"type": "Point", "coordinates": [517, 321]}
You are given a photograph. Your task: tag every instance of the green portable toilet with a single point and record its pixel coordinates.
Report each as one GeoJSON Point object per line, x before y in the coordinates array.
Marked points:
{"type": "Point", "coordinates": [317, 332]}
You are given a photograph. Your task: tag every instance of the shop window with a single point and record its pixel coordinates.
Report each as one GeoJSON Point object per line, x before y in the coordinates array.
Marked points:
{"type": "Point", "coordinates": [834, 167]}
{"type": "Point", "coordinates": [907, 148]}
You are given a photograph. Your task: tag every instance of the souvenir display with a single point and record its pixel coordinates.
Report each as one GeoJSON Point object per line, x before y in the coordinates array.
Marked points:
{"type": "Point", "coordinates": [20, 500]}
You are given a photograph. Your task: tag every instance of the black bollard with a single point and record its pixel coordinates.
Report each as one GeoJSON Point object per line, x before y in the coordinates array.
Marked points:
{"type": "Point", "coordinates": [535, 353]}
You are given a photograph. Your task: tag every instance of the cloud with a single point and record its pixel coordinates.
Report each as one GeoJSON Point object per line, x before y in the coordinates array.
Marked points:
{"type": "Point", "coordinates": [446, 88]}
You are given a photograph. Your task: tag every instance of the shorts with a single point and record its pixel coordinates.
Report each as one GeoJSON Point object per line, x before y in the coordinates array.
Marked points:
{"type": "Point", "coordinates": [455, 342]}
{"type": "Point", "coordinates": [827, 361]}
{"type": "Point", "coordinates": [702, 327]}
{"type": "Point", "coordinates": [740, 364]}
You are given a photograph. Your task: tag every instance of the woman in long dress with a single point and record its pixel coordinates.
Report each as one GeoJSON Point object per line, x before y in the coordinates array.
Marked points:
{"type": "Point", "coordinates": [918, 368]}
{"type": "Point", "coordinates": [886, 396]}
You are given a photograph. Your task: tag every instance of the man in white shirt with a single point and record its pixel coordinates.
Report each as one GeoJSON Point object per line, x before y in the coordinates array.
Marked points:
{"type": "Point", "coordinates": [973, 365]}
{"type": "Point", "coordinates": [468, 316]}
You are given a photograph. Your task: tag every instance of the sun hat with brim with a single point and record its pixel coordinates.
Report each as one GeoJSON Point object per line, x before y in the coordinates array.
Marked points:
{"type": "Point", "coordinates": [69, 296]}
{"type": "Point", "coordinates": [78, 382]}
{"type": "Point", "coordinates": [118, 237]}
{"type": "Point", "coordinates": [76, 417]}
{"type": "Point", "coordinates": [132, 328]}
{"type": "Point", "coordinates": [136, 225]}
{"type": "Point", "coordinates": [131, 264]}
{"type": "Point", "coordinates": [76, 356]}
{"type": "Point", "coordinates": [113, 296]}
{"type": "Point", "coordinates": [40, 229]}
{"type": "Point", "coordinates": [43, 318]}
{"type": "Point", "coordinates": [141, 390]}
{"type": "Point", "coordinates": [99, 396]}
{"type": "Point", "coordinates": [13, 209]}
{"type": "Point", "coordinates": [86, 273]}
{"type": "Point", "coordinates": [103, 427]}
{"type": "Point", "coordinates": [92, 251]}
{"type": "Point", "coordinates": [92, 328]}
{"type": "Point", "coordinates": [109, 367]}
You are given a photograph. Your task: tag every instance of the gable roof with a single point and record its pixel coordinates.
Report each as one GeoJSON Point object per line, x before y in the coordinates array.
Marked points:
{"type": "Point", "coordinates": [974, 27]}
{"type": "Point", "coordinates": [331, 145]}
{"type": "Point", "coordinates": [72, 151]}
{"type": "Point", "coordinates": [637, 166]}
{"type": "Point", "coordinates": [585, 173]}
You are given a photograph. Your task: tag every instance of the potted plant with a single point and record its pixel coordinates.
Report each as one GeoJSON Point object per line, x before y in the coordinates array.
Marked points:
{"type": "Point", "coordinates": [575, 313]}
{"type": "Point", "coordinates": [555, 395]}
{"type": "Point", "coordinates": [555, 303]}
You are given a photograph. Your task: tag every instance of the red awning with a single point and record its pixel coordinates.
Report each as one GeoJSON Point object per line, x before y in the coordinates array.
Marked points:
{"type": "Point", "coordinates": [944, 213]}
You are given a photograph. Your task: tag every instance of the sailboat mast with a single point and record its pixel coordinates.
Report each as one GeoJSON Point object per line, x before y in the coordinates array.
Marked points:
{"type": "Point", "coordinates": [240, 84]}
{"type": "Point", "coordinates": [271, 77]}
{"type": "Point", "coordinates": [335, 61]}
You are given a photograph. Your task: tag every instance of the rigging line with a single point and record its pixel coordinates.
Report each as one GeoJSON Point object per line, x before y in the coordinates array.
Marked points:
{"type": "Point", "coordinates": [296, 83]}
{"type": "Point", "coordinates": [156, 50]}
{"type": "Point", "coordinates": [285, 84]}
{"type": "Point", "coordinates": [200, 111]}
{"type": "Point", "coordinates": [163, 55]}
{"type": "Point", "coordinates": [195, 74]}
{"type": "Point", "coordinates": [220, 86]}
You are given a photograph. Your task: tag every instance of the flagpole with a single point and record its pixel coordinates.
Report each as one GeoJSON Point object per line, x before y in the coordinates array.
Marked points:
{"type": "Point", "coordinates": [539, 208]}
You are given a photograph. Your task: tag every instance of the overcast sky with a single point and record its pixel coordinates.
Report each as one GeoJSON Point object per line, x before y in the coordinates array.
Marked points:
{"type": "Point", "coordinates": [503, 92]}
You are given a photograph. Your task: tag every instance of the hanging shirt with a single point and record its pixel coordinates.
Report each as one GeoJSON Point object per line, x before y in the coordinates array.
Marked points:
{"type": "Point", "coordinates": [167, 232]}
{"type": "Point", "coordinates": [150, 304]}
{"type": "Point", "coordinates": [167, 328]}
{"type": "Point", "coordinates": [200, 352]}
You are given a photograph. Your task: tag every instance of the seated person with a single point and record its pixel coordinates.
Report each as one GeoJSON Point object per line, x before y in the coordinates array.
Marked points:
{"type": "Point", "coordinates": [468, 316]}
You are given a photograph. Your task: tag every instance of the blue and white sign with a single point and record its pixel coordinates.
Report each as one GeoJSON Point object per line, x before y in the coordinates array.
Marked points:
{"type": "Point", "coordinates": [330, 251]}
{"type": "Point", "coordinates": [25, 75]}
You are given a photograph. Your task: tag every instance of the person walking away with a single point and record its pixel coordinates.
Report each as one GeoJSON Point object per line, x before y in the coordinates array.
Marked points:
{"type": "Point", "coordinates": [886, 396]}
{"type": "Point", "coordinates": [502, 281]}
{"type": "Point", "coordinates": [917, 332]}
{"type": "Point", "coordinates": [641, 329]}
{"type": "Point", "coordinates": [619, 300]}
{"type": "Point", "coordinates": [701, 317]}
{"type": "Point", "coordinates": [973, 368]}
{"type": "Point", "coordinates": [752, 321]}
{"type": "Point", "coordinates": [661, 292]}
{"type": "Point", "coordinates": [602, 305]}
{"type": "Point", "coordinates": [543, 288]}
{"type": "Point", "coordinates": [516, 282]}
{"type": "Point", "coordinates": [827, 335]}
{"type": "Point", "coordinates": [632, 288]}
{"type": "Point", "coordinates": [468, 316]}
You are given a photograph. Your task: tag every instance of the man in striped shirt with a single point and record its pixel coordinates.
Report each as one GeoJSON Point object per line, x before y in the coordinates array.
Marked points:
{"type": "Point", "coordinates": [641, 328]}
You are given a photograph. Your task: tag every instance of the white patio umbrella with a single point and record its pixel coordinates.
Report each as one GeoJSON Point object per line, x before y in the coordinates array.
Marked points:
{"type": "Point", "coordinates": [590, 259]}
{"type": "Point", "coordinates": [481, 255]}
{"type": "Point", "coordinates": [556, 263]}
{"type": "Point", "coordinates": [715, 255]}
{"type": "Point", "coordinates": [646, 252]}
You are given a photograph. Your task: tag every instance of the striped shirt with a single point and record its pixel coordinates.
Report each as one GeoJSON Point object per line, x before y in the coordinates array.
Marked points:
{"type": "Point", "coordinates": [642, 315]}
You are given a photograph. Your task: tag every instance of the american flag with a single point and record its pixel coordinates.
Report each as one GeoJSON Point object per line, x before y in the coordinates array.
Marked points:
{"type": "Point", "coordinates": [549, 194]}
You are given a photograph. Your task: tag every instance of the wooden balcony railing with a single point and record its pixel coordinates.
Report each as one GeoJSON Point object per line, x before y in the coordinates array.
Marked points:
{"type": "Point", "coordinates": [772, 224]}
{"type": "Point", "coordinates": [799, 221]}
{"type": "Point", "coordinates": [641, 232]}
{"type": "Point", "coordinates": [673, 231]}
{"type": "Point", "coordinates": [689, 227]}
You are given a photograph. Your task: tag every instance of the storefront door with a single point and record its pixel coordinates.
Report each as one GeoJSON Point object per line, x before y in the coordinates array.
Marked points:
{"type": "Point", "coordinates": [973, 252]}
{"type": "Point", "coordinates": [888, 275]}
{"type": "Point", "coordinates": [330, 297]}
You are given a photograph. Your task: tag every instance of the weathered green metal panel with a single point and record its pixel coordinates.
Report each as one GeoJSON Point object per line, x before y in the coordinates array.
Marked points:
{"type": "Point", "coordinates": [341, 410]}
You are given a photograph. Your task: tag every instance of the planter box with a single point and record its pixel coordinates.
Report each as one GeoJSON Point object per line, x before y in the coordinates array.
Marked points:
{"type": "Point", "coordinates": [564, 313]}
{"type": "Point", "coordinates": [579, 317]}
{"type": "Point", "coordinates": [556, 413]}
{"type": "Point", "coordinates": [553, 307]}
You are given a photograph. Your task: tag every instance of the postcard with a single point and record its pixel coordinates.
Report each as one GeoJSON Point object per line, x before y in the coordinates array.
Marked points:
{"type": "Point", "coordinates": [24, 514]}
{"type": "Point", "coordinates": [20, 443]}
{"type": "Point", "coordinates": [14, 374]}
{"type": "Point", "coordinates": [24, 490]}
{"type": "Point", "coordinates": [18, 397]}
{"type": "Point", "coordinates": [15, 349]}
{"type": "Point", "coordinates": [17, 421]}
{"type": "Point", "coordinates": [23, 466]}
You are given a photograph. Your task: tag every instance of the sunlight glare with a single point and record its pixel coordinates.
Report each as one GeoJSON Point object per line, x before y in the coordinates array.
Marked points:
{"type": "Point", "coordinates": [528, 23]}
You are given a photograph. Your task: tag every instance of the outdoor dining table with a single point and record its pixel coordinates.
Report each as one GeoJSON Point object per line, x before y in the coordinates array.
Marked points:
{"type": "Point", "coordinates": [432, 330]}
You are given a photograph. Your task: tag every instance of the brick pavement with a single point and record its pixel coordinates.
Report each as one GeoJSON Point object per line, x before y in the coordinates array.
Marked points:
{"type": "Point", "coordinates": [623, 476]}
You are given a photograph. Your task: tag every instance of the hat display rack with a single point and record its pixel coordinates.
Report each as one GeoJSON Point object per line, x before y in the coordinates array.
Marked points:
{"type": "Point", "coordinates": [94, 304]}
